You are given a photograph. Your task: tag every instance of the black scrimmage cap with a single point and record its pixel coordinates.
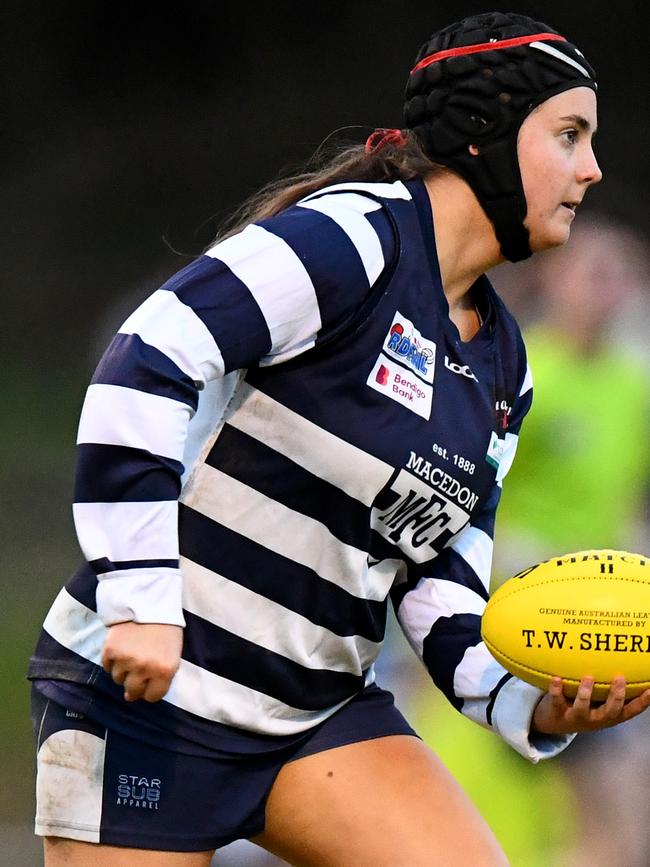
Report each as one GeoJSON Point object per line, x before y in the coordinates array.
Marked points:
{"type": "Point", "coordinates": [474, 83]}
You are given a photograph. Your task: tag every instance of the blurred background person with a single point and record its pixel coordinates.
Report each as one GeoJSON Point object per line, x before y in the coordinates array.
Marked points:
{"type": "Point", "coordinates": [581, 481]}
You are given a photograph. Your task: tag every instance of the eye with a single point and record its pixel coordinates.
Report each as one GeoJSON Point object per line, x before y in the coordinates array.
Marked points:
{"type": "Point", "coordinates": [570, 135]}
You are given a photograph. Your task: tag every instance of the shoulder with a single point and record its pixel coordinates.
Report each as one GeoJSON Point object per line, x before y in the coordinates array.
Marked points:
{"type": "Point", "coordinates": [340, 228]}
{"type": "Point", "coordinates": [361, 193]}
{"type": "Point", "coordinates": [359, 209]}
{"type": "Point", "coordinates": [341, 223]}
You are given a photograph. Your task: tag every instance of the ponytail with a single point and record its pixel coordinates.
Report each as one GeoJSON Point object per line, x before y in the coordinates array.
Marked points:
{"type": "Point", "coordinates": [388, 155]}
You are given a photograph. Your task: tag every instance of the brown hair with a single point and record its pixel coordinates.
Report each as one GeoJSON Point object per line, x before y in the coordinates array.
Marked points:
{"type": "Point", "coordinates": [393, 161]}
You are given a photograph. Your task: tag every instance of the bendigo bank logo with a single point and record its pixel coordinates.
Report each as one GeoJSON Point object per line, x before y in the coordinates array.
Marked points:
{"type": "Point", "coordinates": [382, 375]}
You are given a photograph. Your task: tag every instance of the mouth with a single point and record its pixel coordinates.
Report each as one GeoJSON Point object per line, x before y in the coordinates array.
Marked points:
{"type": "Point", "coordinates": [570, 206]}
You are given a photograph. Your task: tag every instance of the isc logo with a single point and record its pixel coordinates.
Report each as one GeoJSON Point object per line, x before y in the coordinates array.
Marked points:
{"type": "Point", "coordinates": [463, 370]}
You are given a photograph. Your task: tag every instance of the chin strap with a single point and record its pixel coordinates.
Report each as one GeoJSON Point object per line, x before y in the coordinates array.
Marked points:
{"type": "Point", "coordinates": [511, 233]}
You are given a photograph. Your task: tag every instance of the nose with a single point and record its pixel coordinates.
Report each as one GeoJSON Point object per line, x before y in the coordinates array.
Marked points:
{"type": "Point", "coordinates": [590, 172]}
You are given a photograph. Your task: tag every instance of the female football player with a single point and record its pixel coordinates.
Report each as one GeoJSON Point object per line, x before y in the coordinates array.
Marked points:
{"type": "Point", "coordinates": [313, 416]}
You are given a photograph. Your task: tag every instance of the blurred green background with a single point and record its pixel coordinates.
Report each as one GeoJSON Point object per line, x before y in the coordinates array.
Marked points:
{"type": "Point", "coordinates": [130, 131]}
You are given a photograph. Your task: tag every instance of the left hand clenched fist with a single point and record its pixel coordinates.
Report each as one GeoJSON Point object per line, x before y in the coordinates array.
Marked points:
{"type": "Point", "coordinates": [556, 714]}
{"type": "Point", "coordinates": [143, 658]}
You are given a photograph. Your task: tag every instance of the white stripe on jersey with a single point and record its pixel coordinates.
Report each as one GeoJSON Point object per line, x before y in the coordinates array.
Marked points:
{"type": "Point", "coordinates": [507, 456]}
{"type": "Point", "coordinates": [142, 595]}
{"type": "Point", "coordinates": [387, 573]}
{"type": "Point", "coordinates": [76, 627]}
{"type": "Point", "coordinates": [528, 381]}
{"type": "Point", "coordinates": [247, 614]}
{"type": "Point", "coordinates": [477, 673]}
{"type": "Point", "coordinates": [128, 531]}
{"type": "Point", "coordinates": [476, 676]}
{"type": "Point", "coordinates": [511, 715]}
{"type": "Point", "coordinates": [208, 418]}
{"type": "Point", "coordinates": [279, 283]}
{"type": "Point", "coordinates": [347, 210]}
{"type": "Point", "coordinates": [216, 698]}
{"type": "Point", "coordinates": [393, 190]}
{"type": "Point", "coordinates": [475, 547]}
{"type": "Point", "coordinates": [298, 537]}
{"type": "Point", "coordinates": [193, 689]}
{"type": "Point", "coordinates": [163, 321]}
{"type": "Point", "coordinates": [119, 416]}
{"type": "Point", "coordinates": [357, 473]}
{"type": "Point", "coordinates": [431, 599]}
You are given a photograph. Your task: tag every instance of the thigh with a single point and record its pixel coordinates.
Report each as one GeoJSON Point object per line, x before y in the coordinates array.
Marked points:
{"type": "Point", "coordinates": [387, 802]}
{"type": "Point", "coordinates": [75, 853]}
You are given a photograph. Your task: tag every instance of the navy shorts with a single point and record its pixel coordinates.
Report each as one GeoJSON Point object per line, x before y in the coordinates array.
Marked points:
{"type": "Point", "coordinates": [105, 786]}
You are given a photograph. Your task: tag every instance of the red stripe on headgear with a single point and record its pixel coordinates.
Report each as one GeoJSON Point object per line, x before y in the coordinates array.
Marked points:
{"type": "Point", "coordinates": [486, 46]}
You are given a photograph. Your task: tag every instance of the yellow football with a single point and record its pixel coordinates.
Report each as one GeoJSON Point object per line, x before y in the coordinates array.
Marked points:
{"type": "Point", "coordinates": [582, 614]}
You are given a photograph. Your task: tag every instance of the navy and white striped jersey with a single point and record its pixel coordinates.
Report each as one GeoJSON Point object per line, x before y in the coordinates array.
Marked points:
{"type": "Point", "coordinates": [282, 437]}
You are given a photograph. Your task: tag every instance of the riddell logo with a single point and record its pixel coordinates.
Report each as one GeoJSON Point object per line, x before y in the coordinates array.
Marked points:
{"type": "Point", "coordinates": [382, 375]}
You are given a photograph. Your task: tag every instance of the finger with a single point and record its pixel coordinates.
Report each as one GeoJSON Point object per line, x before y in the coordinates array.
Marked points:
{"type": "Point", "coordinates": [134, 686]}
{"type": "Point", "coordinates": [118, 672]}
{"type": "Point", "coordinates": [156, 688]}
{"type": "Point", "coordinates": [556, 690]}
{"type": "Point", "coordinates": [107, 660]}
{"type": "Point", "coordinates": [581, 709]}
{"type": "Point", "coordinates": [613, 707]}
{"type": "Point", "coordinates": [636, 706]}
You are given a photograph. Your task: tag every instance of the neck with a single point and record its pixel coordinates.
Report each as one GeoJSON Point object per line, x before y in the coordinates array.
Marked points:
{"type": "Point", "coordinates": [465, 238]}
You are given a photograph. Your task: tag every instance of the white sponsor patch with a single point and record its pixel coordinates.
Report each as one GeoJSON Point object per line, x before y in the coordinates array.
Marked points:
{"type": "Point", "coordinates": [402, 385]}
{"type": "Point", "coordinates": [405, 343]}
{"type": "Point", "coordinates": [495, 450]}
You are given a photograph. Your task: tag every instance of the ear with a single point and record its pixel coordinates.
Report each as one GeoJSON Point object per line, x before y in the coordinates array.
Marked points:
{"type": "Point", "coordinates": [474, 150]}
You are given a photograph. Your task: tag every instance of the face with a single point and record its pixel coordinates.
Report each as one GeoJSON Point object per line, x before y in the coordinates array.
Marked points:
{"type": "Point", "coordinates": [557, 164]}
